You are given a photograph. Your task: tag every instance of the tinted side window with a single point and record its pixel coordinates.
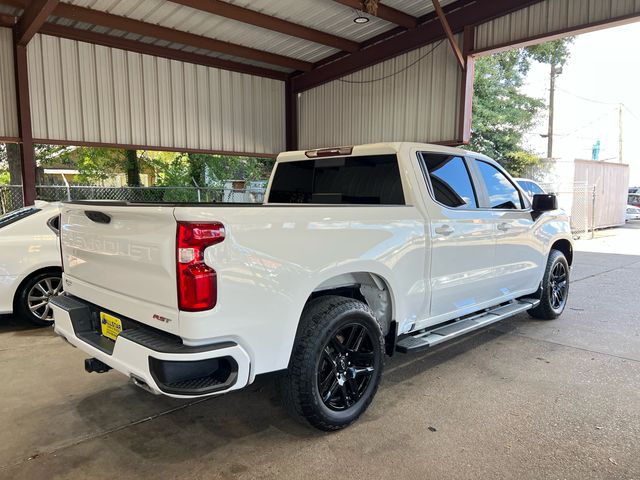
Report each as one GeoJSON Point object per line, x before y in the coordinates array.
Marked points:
{"type": "Point", "coordinates": [502, 193]}
{"type": "Point", "coordinates": [370, 179]}
{"type": "Point", "coordinates": [450, 180]}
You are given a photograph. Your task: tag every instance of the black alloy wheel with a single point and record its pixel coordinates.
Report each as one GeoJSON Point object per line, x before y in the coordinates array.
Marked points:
{"type": "Point", "coordinates": [336, 363]}
{"type": "Point", "coordinates": [346, 367]}
{"type": "Point", "coordinates": [559, 286]}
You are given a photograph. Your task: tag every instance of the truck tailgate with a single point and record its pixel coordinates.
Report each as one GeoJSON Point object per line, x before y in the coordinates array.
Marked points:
{"type": "Point", "coordinates": [125, 252]}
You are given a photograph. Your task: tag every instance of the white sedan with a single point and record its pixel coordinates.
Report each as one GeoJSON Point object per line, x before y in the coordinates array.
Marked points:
{"type": "Point", "coordinates": [30, 271]}
{"type": "Point", "coordinates": [633, 213]}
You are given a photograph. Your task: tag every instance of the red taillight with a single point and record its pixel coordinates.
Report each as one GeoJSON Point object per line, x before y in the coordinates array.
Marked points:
{"type": "Point", "coordinates": [197, 283]}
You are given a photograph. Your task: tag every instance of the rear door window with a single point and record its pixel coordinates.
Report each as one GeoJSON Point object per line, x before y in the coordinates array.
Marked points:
{"type": "Point", "coordinates": [449, 180]}
{"type": "Point", "coordinates": [369, 179]}
{"type": "Point", "coordinates": [502, 193]}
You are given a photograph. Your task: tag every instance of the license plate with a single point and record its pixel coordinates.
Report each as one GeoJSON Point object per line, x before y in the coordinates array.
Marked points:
{"type": "Point", "coordinates": [111, 326]}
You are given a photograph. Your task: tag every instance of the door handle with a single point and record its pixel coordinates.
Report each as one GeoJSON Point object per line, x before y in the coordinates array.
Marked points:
{"type": "Point", "coordinates": [503, 227]}
{"type": "Point", "coordinates": [444, 230]}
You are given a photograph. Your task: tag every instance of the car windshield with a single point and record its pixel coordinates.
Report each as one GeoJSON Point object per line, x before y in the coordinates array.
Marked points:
{"type": "Point", "coordinates": [15, 215]}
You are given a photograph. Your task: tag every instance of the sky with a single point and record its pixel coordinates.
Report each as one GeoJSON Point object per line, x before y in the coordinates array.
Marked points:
{"type": "Point", "coordinates": [602, 72]}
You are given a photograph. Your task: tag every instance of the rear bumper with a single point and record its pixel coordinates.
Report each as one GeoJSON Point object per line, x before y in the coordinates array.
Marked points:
{"type": "Point", "coordinates": [152, 359]}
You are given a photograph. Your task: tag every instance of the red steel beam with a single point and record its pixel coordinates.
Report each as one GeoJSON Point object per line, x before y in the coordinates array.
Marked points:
{"type": "Point", "coordinates": [447, 30]}
{"type": "Point", "coordinates": [33, 17]}
{"type": "Point", "coordinates": [426, 32]}
{"type": "Point", "coordinates": [109, 20]}
{"type": "Point", "coordinates": [251, 17]}
{"type": "Point", "coordinates": [27, 158]}
{"type": "Point", "coordinates": [164, 52]}
{"type": "Point", "coordinates": [466, 85]}
{"type": "Point", "coordinates": [154, 148]}
{"type": "Point", "coordinates": [385, 13]}
{"type": "Point", "coordinates": [7, 20]}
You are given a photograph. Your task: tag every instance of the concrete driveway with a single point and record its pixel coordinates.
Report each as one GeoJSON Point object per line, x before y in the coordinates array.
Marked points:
{"type": "Point", "coordinates": [525, 399]}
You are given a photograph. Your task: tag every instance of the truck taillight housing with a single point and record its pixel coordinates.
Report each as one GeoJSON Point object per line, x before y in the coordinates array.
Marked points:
{"type": "Point", "coordinates": [197, 282]}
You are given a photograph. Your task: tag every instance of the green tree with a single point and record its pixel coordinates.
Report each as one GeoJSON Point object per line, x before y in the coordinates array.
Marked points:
{"type": "Point", "coordinates": [555, 52]}
{"type": "Point", "coordinates": [98, 164]}
{"type": "Point", "coordinates": [227, 167]}
{"type": "Point", "coordinates": [502, 114]}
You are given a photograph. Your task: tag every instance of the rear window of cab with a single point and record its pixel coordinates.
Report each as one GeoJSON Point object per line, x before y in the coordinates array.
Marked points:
{"type": "Point", "coordinates": [366, 179]}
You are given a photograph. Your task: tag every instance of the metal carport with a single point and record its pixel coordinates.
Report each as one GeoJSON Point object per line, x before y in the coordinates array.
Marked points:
{"type": "Point", "coordinates": [257, 77]}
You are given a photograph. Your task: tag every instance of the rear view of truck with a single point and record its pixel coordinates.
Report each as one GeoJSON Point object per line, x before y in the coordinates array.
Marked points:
{"type": "Point", "coordinates": [130, 272]}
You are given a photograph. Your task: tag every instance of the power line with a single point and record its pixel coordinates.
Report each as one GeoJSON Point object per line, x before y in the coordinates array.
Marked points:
{"type": "Point", "coordinates": [601, 102]}
{"type": "Point", "coordinates": [597, 119]}
{"type": "Point", "coordinates": [630, 112]}
{"type": "Point", "coordinates": [426, 54]}
{"type": "Point", "coordinates": [588, 99]}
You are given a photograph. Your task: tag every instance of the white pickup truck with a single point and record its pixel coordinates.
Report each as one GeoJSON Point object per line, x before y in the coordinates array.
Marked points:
{"type": "Point", "coordinates": [356, 253]}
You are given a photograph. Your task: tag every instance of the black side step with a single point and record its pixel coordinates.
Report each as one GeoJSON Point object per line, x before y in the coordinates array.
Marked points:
{"type": "Point", "coordinates": [431, 338]}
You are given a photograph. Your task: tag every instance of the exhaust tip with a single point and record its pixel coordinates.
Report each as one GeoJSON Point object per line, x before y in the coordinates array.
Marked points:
{"type": "Point", "coordinates": [94, 365]}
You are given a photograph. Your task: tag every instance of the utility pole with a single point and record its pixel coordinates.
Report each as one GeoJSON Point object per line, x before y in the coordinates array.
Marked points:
{"type": "Point", "coordinates": [552, 87]}
{"type": "Point", "coordinates": [620, 133]}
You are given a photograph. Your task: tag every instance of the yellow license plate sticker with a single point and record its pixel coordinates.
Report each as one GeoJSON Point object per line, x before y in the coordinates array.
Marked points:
{"type": "Point", "coordinates": [111, 326]}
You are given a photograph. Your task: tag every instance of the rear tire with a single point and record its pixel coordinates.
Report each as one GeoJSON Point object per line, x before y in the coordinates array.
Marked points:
{"type": "Point", "coordinates": [32, 300]}
{"type": "Point", "coordinates": [336, 363]}
{"type": "Point", "coordinates": [554, 288]}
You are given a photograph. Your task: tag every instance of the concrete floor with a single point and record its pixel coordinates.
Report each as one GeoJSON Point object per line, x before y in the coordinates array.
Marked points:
{"type": "Point", "coordinates": [525, 399]}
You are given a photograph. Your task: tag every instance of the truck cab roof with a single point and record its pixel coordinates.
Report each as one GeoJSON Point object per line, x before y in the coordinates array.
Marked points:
{"type": "Point", "coordinates": [374, 149]}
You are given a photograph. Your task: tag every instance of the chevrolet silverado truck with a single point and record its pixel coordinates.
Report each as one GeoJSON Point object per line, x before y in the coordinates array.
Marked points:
{"type": "Point", "coordinates": [357, 253]}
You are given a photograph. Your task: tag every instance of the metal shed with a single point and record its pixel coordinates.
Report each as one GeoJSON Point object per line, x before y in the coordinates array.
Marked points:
{"type": "Point", "coordinates": [257, 77]}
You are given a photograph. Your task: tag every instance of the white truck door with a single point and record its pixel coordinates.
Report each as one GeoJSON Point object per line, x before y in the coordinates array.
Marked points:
{"type": "Point", "coordinates": [519, 258]}
{"type": "Point", "coordinates": [463, 242]}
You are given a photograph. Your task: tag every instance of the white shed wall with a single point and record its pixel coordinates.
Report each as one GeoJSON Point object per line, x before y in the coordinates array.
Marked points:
{"type": "Point", "coordinates": [549, 17]}
{"type": "Point", "coordinates": [89, 93]}
{"type": "Point", "coordinates": [8, 107]}
{"type": "Point", "coordinates": [419, 104]}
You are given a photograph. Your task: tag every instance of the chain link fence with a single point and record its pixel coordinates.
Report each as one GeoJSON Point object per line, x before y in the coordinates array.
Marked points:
{"type": "Point", "coordinates": [11, 195]}
{"type": "Point", "coordinates": [10, 198]}
{"type": "Point", "coordinates": [578, 200]}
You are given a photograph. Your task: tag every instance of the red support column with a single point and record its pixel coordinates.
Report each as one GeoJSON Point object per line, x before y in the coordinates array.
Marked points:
{"type": "Point", "coordinates": [291, 116]}
{"type": "Point", "coordinates": [466, 87]}
{"type": "Point", "coordinates": [27, 158]}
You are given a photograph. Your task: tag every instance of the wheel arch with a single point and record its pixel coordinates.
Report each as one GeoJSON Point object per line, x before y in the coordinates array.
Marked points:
{"type": "Point", "coordinates": [563, 245]}
{"type": "Point", "coordinates": [368, 287]}
{"type": "Point", "coordinates": [371, 288]}
{"type": "Point", "coordinates": [29, 276]}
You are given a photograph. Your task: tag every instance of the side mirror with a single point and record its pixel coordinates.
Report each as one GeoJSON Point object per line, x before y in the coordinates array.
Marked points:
{"type": "Point", "coordinates": [544, 202]}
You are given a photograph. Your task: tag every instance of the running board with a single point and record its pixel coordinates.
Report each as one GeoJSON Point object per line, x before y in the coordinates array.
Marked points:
{"type": "Point", "coordinates": [431, 338]}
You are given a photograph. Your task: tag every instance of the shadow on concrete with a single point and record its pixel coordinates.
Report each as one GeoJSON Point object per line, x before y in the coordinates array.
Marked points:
{"type": "Point", "coordinates": [16, 327]}
{"type": "Point", "coordinates": [202, 426]}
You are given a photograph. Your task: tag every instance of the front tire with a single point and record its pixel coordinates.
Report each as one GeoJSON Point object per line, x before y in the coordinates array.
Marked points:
{"type": "Point", "coordinates": [32, 300]}
{"type": "Point", "coordinates": [554, 289]}
{"type": "Point", "coordinates": [335, 365]}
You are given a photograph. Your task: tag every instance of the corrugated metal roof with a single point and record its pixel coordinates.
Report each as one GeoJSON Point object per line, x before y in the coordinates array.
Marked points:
{"type": "Point", "coordinates": [332, 17]}
{"type": "Point", "coordinates": [551, 15]}
{"type": "Point", "coordinates": [417, 8]}
{"type": "Point", "coordinates": [324, 15]}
